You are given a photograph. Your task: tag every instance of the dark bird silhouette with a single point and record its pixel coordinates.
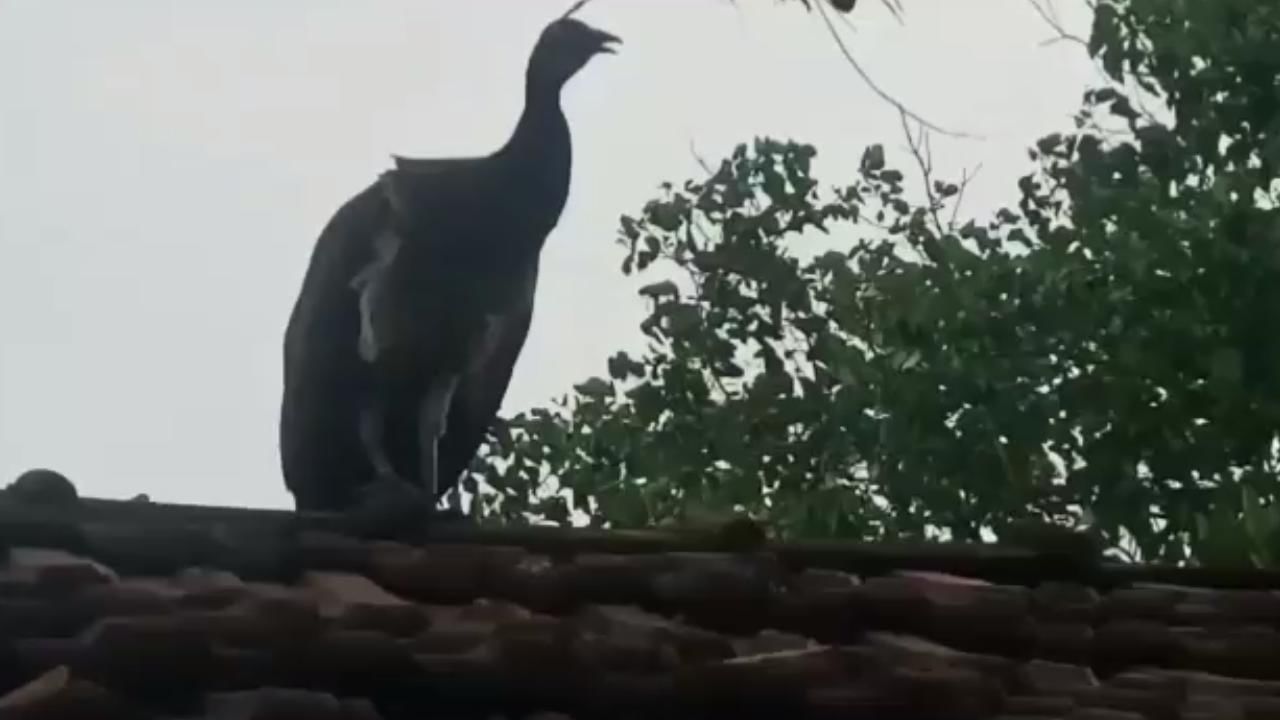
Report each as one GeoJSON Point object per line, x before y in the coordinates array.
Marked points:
{"type": "Point", "coordinates": [417, 302]}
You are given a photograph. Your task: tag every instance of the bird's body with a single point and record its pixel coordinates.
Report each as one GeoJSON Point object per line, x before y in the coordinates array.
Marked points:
{"type": "Point", "coordinates": [417, 302]}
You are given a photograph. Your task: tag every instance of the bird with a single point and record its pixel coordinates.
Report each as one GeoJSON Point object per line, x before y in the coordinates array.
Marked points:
{"type": "Point", "coordinates": [417, 300]}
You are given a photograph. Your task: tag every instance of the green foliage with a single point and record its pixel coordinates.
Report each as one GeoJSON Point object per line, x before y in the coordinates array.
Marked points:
{"type": "Point", "coordinates": [846, 362]}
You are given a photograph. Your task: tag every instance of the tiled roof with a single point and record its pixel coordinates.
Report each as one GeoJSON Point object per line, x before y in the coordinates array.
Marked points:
{"type": "Point", "coordinates": [127, 610]}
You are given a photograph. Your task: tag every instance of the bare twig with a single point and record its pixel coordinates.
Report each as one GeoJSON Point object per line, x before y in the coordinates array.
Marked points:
{"type": "Point", "coordinates": [919, 147]}
{"type": "Point", "coordinates": [895, 9]}
{"type": "Point", "coordinates": [1049, 13]}
{"type": "Point", "coordinates": [966, 177]}
{"type": "Point", "coordinates": [893, 6]}
{"type": "Point", "coordinates": [857, 67]}
{"type": "Point", "coordinates": [706, 188]}
{"type": "Point", "coordinates": [702, 162]}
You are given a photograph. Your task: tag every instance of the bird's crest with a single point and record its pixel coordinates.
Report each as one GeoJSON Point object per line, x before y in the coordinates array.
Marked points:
{"type": "Point", "coordinates": [574, 8]}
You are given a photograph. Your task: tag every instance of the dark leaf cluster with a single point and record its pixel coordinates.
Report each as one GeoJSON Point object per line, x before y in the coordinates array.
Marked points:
{"type": "Point", "coordinates": [841, 362]}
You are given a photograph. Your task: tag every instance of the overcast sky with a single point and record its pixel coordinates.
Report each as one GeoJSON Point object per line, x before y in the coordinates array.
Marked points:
{"type": "Point", "coordinates": [165, 168]}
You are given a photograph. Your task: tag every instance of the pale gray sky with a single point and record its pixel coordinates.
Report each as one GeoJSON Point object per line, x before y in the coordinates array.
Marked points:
{"type": "Point", "coordinates": [166, 166]}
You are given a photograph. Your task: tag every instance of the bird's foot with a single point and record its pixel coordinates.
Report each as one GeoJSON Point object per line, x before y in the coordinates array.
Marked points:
{"type": "Point", "coordinates": [389, 507]}
{"type": "Point", "coordinates": [392, 508]}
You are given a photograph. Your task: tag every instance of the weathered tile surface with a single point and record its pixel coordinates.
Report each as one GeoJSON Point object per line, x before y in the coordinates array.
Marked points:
{"type": "Point", "coordinates": [124, 611]}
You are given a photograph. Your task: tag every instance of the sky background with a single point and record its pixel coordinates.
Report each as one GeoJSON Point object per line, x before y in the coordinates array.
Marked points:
{"type": "Point", "coordinates": [165, 168]}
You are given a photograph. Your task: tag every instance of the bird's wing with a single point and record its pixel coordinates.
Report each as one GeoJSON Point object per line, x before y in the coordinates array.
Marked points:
{"type": "Point", "coordinates": [436, 193]}
{"type": "Point", "coordinates": [324, 320]}
{"type": "Point", "coordinates": [430, 165]}
{"type": "Point", "coordinates": [324, 378]}
{"type": "Point", "coordinates": [480, 390]}
{"type": "Point", "coordinates": [371, 286]}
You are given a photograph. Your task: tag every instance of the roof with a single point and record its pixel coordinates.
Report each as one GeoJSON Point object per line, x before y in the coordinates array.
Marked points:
{"type": "Point", "coordinates": [130, 609]}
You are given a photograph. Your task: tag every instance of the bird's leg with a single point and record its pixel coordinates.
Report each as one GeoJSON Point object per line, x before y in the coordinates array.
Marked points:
{"type": "Point", "coordinates": [432, 416]}
{"type": "Point", "coordinates": [372, 434]}
{"type": "Point", "coordinates": [388, 506]}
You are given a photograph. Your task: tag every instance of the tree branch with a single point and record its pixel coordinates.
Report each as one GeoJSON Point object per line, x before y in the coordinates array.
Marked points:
{"type": "Point", "coordinates": [1047, 12]}
{"type": "Point", "coordinates": [857, 67]}
{"type": "Point", "coordinates": [966, 177]}
{"type": "Point", "coordinates": [919, 147]}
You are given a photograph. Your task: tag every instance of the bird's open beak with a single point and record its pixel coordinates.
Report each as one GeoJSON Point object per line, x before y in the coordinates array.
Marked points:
{"type": "Point", "coordinates": [607, 42]}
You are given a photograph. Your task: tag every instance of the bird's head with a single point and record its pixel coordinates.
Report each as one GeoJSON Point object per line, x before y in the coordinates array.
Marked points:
{"type": "Point", "coordinates": [565, 46]}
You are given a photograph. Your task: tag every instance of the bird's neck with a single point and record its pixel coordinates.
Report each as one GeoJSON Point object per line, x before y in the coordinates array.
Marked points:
{"type": "Point", "coordinates": [542, 127]}
{"type": "Point", "coordinates": [541, 153]}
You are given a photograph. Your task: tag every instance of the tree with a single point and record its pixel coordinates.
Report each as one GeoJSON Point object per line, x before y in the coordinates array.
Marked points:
{"type": "Point", "coordinates": [856, 362]}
